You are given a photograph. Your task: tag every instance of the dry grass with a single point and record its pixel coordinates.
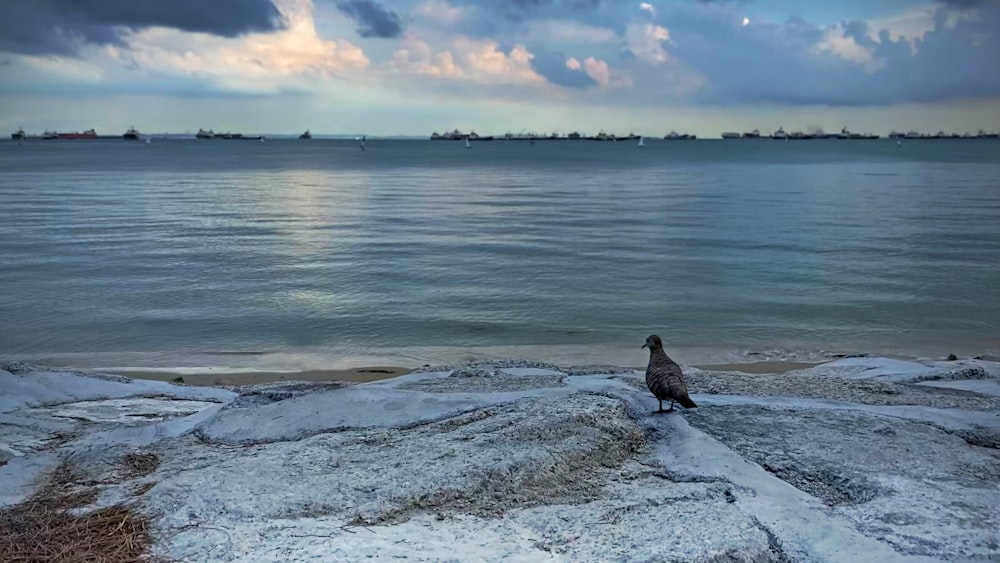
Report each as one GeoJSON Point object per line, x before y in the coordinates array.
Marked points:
{"type": "Point", "coordinates": [41, 529]}
{"type": "Point", "coordinates": [140, 464]}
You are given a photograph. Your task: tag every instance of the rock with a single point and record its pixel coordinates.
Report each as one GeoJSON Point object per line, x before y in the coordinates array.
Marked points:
{"type": "Point", "coordinates": [523, 461]}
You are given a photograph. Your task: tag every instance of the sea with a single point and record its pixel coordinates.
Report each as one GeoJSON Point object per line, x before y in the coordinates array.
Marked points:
{"type": "Point", "coordinates": [294, 254]}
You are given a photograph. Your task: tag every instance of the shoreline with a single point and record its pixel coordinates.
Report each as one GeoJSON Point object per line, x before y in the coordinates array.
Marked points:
{"type": "Point", "coordinates": [759, 462]}
{"type": "Point", "coordinates": [230, 378]}
{"type": "Point", "coordinates": [368, 374]}
{"type": "Point", "coordinates": [321, 358]}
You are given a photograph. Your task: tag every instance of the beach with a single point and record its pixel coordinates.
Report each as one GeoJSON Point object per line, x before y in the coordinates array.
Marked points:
{"type": "Point", "coordinates": [511, 460]}
{"type": "Point", "coordinates": [377, 373]}
{"type": "Point", "coordinates": [209, 379]}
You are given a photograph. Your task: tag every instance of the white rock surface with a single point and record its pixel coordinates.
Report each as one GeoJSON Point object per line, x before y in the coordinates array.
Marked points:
{"type": "Point", "coordinates": [849, 461]}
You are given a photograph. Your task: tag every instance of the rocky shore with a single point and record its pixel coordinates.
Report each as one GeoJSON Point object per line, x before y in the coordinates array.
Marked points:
{"type": "Point", "coordinates": [860, 459]}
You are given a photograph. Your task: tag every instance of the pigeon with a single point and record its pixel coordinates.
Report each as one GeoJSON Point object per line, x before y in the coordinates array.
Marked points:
{"type": "Point", "coordinates": [664, 377]}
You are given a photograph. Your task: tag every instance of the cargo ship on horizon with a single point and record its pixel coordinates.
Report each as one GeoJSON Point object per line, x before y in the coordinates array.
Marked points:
{"type": "Point", "coordinates": [210, 134]}
{"type": "Point", "coordinates": [74, 135]}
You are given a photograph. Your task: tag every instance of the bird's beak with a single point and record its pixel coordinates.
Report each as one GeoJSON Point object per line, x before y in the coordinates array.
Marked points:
{"type": "Point", "coordinates": [646, 345]}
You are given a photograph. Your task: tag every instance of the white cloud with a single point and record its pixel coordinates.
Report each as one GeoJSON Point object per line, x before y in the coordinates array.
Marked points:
{"type": "Point", "coordinates": [474, 60]}
{"type": "Point", "coordinates": [835, 42]}
{"type": "Point", "coordinates": [910, 25]}
{"type": "Point", "coordinates": [646, 41]}
{"type": "Point", "coordinates": [417, 57]}
{"type": "Point", "coordinates": [440, 12]}
{"type": "Point", "coordinates": [598, 70]}
{"type": "Point", "coordinates": [572, 64]}
{"type": "Point", "coordinates": [647, 7]}
{"type": "Point", "coordinates": [246, 63]}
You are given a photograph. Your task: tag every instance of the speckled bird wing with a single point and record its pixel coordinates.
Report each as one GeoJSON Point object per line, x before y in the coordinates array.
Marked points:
{"type": "Point", "coordinates": [664, 379]}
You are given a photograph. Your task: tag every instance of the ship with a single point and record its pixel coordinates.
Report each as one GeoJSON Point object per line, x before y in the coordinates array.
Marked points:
{"type": "Point", "coordinates": [730, 135]}
{"type": "Point", "coordinates": [131, 135]}
{"type": "Point", "coordinates": [455, 135]}
{"type": "Point", "coordinates": [76, 135]}
{"type": "Point", "coordinates": [49, 135]}
{"type": "Point", "coordinates": [755, 134]}
{"type": "Point", "coordinates": [202, 134]}
{"type": "Point", "coordinates": [306, 135]}
{"type": "Point", "coordinates": [675, 136]}
{"type": "Point", "coordinates": [19, 135]}
{"type": "Point", "coordinates": [780, 134]}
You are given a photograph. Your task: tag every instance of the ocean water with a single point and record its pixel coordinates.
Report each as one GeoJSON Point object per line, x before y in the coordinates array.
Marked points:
{"type": "Point", "coordinates": [314, 254]}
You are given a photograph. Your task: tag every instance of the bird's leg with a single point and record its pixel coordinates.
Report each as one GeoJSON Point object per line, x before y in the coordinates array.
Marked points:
{"type": "Point", "coordinates": [671, 409]}
{"type": "Point", "coordinates": [661, 405]}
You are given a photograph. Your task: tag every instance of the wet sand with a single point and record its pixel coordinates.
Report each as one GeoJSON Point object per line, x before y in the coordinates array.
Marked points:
{"type": "Point", "coordinates": [355, 375]}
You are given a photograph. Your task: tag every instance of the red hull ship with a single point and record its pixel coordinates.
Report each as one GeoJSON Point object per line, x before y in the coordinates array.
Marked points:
{"type": "Point", "coordinates": [88, 134]}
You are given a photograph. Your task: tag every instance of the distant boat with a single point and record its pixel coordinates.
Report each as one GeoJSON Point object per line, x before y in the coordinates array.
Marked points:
{"type": "Point", "coordinates": [730, 135]}
{"type": "Point", "coordinates": [18, 135]}
{"type": "Point", "coordinates": [148, 140]}
{"type": "Point", "coordinates": [363, 137]}
{"type": "Point", "coordinates": [49, 135]}
{"type": "Point", "coordinates": [131, 134]}
{"type": "Point", "coordinates": [75, 135]}
{"type": "Point", "coordinates": [455, 135]}
{"type": "Point", "coordinates": [307, 135]}
{"type": "Point", "coordinates": [780, 134]}
{"type": "Point", "coordinates": [642, 141]}
{"type": "Point", "coordinates": [467, 144]}
{"type": "Point", "coordinates": [755, 134]}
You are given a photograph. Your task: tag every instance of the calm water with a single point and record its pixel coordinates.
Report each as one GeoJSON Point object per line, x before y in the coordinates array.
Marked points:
{"type": "Point", "coordinates": [130, 254]}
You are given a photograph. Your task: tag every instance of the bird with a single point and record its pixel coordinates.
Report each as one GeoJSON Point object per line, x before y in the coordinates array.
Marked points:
{"type": "Point", "coordinates": [664, 378]}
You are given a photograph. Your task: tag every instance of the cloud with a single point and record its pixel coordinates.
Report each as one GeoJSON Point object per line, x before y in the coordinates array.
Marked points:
{"type": "Point", "coordinates": [963, 3]}
{"type": "Point", "coordinates": [645, 41]}
{"type": "Point", "coordinates": [167, 60]}
{"type": "Point", "coordinates": [372, 18]}
{"type": "Point", "coordinates": [848, 64]}
{"type": "Point", "coordinates": [836, 41]}
{"type": "Point", "coordinates": [555, 67]}
{"type": "Point", "coordinates": [61, 27]}
{"type": "Point", "coordinates": [597, 70]}
{"type": "Point", "coordinates": [647, 7]}
{"type": "Point", "coordinates": [440, 12]}
{"type": "Point", "coordinates": [475, 61]}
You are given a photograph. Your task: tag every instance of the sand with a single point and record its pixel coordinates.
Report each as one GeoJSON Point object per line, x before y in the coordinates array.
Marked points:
{"type": "Point", "coordinates": [222, 379]}
{"type": "Point", "coordinates": [377, 373]}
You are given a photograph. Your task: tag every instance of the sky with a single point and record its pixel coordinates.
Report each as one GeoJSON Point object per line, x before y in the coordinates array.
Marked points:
{"type": "Point", "coordinates": [410, 67]}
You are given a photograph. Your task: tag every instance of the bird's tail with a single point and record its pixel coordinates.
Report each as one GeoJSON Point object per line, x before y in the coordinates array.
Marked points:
{"type": "Point", "coordinates": [687, 403]}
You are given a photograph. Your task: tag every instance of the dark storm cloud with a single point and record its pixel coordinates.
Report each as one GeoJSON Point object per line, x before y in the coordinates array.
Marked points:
{"type": "Point", "coordinates": [372, 18]}
{"type": "Point", "coordinates": [552, 66]}
{"type": "Point", "coordinates": [39, 27]}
